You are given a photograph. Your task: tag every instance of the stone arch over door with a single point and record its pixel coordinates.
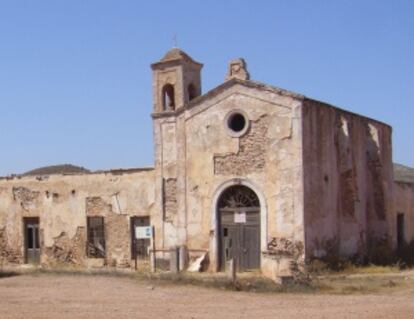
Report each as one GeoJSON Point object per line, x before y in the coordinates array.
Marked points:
{"type": "Point", "coordinates": [215, 238]}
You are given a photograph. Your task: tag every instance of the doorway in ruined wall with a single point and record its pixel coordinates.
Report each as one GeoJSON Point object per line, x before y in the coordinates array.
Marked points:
{"type": "Point", "coordinates": [139, 247]}
{"type": "Point", "coordinates": [239, 228]}
{"type": "Point", "coordinates": [31, 240]}
{"type": "Point", "coordinates": [400, 230]}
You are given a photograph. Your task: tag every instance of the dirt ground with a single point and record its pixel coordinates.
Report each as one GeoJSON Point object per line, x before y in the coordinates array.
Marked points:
{"type": "Point", "coordinates": [69, 296]}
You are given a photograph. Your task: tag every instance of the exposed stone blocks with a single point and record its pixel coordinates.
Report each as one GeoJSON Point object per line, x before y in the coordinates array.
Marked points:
{"type": "Point", "coordinates": [118, 240]}
{"type": "Point", "coordinates": [251, 155]}
{"type": "Point", "coordinates": [26, 197]}
{"type": "Point", "coordinates": [170, 198]}
{"type": "Point", "coordinates": [7, 253]}
{"type": "Point", "coordinates": [67, 250]}
{"type": "Point", "coordinates": [284, 246]}
{"type": "Point", "coordinates": [96, 206]}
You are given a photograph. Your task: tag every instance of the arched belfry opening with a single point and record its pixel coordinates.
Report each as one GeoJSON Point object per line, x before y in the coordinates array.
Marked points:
{"type": "Point", "coordinates": [176, 81]}
{"type": "Point", "coordinates": [238, 217]}
{"type": "Point", "coordinates": [168, 98]}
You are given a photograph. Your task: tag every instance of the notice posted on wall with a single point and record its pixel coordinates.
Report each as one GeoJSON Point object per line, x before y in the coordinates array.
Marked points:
{"type": "Point", "coordinates": [143, 232]}
{"type": "Point", "coordinates": [240, 217]}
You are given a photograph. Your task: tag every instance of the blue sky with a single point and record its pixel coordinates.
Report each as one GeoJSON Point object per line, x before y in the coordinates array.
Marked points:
{"type": "Point", "coordinates": [75, 81]}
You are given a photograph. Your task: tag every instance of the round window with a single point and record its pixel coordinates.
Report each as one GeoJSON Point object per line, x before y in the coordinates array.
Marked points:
{"type": "Point", "coordinates": [237, 123]}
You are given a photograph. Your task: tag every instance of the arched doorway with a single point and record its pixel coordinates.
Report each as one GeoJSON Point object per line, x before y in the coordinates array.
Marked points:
{"type": "Point", "coordinates": [238, 217]}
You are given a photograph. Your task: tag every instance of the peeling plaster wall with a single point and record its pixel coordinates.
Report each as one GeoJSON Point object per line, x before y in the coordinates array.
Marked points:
{"type": "Point", "coordinates": [205, 156]}
{"type": "Point", "coordinates": [404, 203]}
{"type": "Point", "coordinates": [347, 180]}
{"type": "Point", "coordinates": [63, 202]}
{"type": "Point", "coordinates": [323, 177]}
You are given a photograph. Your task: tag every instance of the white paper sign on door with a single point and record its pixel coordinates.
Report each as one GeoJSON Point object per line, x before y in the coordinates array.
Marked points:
{"type": "Point", "coordinates": [240, 217]}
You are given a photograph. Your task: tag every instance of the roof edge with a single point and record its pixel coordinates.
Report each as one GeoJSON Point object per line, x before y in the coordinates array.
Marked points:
{"type": "Point", "coordinates": [114, 171]}
{"type": "Point", "coordinates": [346, 111]}
{"type": "Point", "coordinates": [261, 86]}
{"type": "Point", "coordinates": [248, 83]}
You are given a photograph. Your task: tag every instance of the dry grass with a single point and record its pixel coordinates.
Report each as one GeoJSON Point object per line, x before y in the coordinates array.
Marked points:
{"type": "Point", "coordinates": [370, 269]}
{"type": "Point", "coordinates": [318, 267]}
{"type": "Point", "coordinates": [360, 279]}
{"type": "Point", "coordinates": [356, 280]}
{"type": "Point", "coordinates": [362, 283]}
{"type": "Point", "coordinates": [249, 282]}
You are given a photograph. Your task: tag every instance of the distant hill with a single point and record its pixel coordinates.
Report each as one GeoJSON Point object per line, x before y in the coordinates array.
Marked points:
{"type": "Point", "coordinates": [57, 169]}
{"type": "Point", "coordinates": [403, 173]}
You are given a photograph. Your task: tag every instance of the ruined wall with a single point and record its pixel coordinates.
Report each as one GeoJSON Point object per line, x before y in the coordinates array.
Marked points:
{"type": "Point", "coordinates": [63, 202]}
{"type": "Point", "coordinates": [348, 181]}
{"type": "Point", "coordinates": [403, 194]}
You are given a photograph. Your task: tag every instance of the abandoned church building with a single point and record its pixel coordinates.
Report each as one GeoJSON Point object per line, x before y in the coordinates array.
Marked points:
{"type": "Point", "coordinates": [246, 171]}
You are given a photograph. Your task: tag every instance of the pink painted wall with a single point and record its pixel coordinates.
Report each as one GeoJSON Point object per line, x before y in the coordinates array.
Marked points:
{"type": "Point", "coordinates": [347, 181]}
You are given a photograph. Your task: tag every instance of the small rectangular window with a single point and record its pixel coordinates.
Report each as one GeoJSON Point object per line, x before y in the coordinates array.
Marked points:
{"type": "Point", "coordinates": [96, 237]}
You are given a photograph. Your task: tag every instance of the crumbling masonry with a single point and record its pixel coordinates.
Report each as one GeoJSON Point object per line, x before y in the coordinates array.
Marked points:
{"type": "Point", "coordinates": [302, 179]}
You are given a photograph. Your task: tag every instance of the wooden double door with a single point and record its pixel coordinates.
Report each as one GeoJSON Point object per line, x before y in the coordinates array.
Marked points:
{"type": "Point", "coordinates": [240, 237]}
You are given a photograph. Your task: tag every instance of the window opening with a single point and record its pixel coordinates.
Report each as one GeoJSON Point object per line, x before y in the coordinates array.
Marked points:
{"type": "Point", "coordinates": [96, 237]}
{"type": "Point", "coordinates": [238, 196]}
{"type": "Point", "coordinates": [168, 98]}
{"type": "Point", "coordinates": [236, 122]}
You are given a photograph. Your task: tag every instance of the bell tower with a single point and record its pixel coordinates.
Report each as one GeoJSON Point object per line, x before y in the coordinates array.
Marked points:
{"type": "Point", "coordinates": [176, 81]}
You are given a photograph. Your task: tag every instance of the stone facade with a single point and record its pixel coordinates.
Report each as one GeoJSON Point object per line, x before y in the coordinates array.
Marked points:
{"type": "Point", "coordinates": [323, 177]}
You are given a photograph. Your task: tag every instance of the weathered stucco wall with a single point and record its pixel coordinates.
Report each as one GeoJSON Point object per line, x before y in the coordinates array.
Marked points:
{"type": "Point", "coordinates": [404, 203]}
{"type": "Point", "coordinates": [195, 149]}
{"type": "Point", "coordinates": [323, 177]}
{"type": "Point", "coordinates": [347, 180]}
{"type": "Point", "coordinates": [63, 202]}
